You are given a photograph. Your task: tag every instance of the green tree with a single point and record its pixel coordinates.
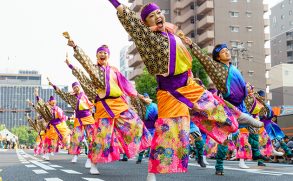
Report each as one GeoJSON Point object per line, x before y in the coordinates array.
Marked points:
{"type": "Point", "coordinates": [2, 126]}
{"type": "Point", "coordinates": [146, 83]}
{"type": "Point", "coordinates": [25, 135]}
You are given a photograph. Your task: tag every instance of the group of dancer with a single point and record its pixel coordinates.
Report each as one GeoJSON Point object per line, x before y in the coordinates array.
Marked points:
{"type": "Point", "coordinates": [116, 119]}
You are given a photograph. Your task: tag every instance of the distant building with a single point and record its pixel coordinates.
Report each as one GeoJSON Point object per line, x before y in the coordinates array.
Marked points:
{"type": "Point", "coordinates": [15, 89]}
{"type": "Point", "coordinates": [281, 29]}
{"type": "Point", "coordinates": [282, 84]}
{"type": "Point", "coordinates": [239, 23]}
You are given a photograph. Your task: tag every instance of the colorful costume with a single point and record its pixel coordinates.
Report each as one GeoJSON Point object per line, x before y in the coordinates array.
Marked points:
{"type": "Point", "coordinates": [165, 56]}
{"type": "Point", "coordinates": [118, 128]}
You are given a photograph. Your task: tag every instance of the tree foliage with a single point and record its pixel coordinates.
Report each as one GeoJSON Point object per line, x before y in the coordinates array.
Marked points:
{"type": "Point", "coordinates": [146, 83]}
{"type": "Point", "coordinates": [2, 126]}
{"type": "Point", "coordinates": [25, 135]}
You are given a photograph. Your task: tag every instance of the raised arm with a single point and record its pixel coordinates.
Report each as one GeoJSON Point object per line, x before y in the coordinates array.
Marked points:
{"type": "Point", "coordinates": [132, 23]}
{"type": "Point", "coordinates": [85, 82]}
{"type": "Point", "coordinates": [215, 70]}
{"type": "Point", "coordinates": [96, 74]}
{"type": "Point", "coordinates": [68, 97]}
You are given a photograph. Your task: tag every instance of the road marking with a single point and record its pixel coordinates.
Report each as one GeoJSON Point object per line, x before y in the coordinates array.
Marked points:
{"type": "Point", "coordinates": [40, 171]}
{"type": "Point", "coordinates": [25, 162]}
{"type": "Point", "coordinates": [92, 179]}
{"type": "Point", "coordinates": [55, 166]}
{"type": "Point", "coordinates": [45, 162]}
{"type": "Point", "coordinates": [30, 166]}
{"type": "Point", "coordinates": [43, 166]}
{"type": "Point", "coordinates": [71, 171]}
{"type": "Point", "coordinates": [53, 179]}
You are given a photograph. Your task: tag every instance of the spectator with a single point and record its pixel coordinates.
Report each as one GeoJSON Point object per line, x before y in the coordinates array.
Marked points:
{"type": "Point", "coordinates": [290, 143]}
{"type": "Point", "coordinates": [13, 141]}
{"type": "Point", "coordinates": [7, 142]}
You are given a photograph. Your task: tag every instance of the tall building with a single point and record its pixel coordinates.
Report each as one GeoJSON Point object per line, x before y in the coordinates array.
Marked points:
{"type": "Point", "coordinates": [239, 23]}
{"type": "Point", "coordinates": [15, 89]}
{"type": "Point", "coordinates": [282, 85]}
{"type": "Point", "coordinates": [124, 57]}
{"type": "Point", "coordinates": [281, 29]}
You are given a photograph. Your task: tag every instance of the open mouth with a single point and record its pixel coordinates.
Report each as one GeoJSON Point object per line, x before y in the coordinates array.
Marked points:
{"type": "Point", "coordinates": [103, 58]}
{"type": "Point", "coordinates": [160, 23]}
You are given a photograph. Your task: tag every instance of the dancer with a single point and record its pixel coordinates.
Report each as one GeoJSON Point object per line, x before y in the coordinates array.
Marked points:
{"type": "Point", "coordinates": [273, 130]}
{"type": "Point", "coordinates": [149, 120]}
{"type": "Point", "coordinates": [118, 127]}
{"type": "Point", "coordinates": [57, 129]}
{"type": "Point", "coordinates": [83, 122]}
{"type": "Point", "coordinates": [165, 56]}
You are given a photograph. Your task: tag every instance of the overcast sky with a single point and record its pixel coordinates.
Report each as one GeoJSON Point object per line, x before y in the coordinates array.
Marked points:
{"type": "Point", "coordinates": [31, 34]}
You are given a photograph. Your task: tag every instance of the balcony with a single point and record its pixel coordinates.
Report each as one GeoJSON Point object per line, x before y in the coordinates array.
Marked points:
{"type": "Point", "coordinates": [132, 49]}
{"type": "Point", "coordinates": [135, 61]}
{"type": "Point", "coordinates": [209, 49]}
{"type": "Point", "coordinates": [135, 73]}
{"type": "Point", "coordinates": [205, 22]}
{"type": "Point", "coordinates": [267, 37]}
{"type": "Point", "coordinates": [136, 5]}
{"type": "Point", "coordinates": [267, 51]}
{"type": "Point", "coordinates": [266, 22]}
{"type": "Point", "coordinates": [184, 17]}
{"type": "Point", "coordinates": [182, 4]}
{"type": "Point", "coordinates": [188, 29]}
{"type": "Point", "coordinates": [205, 7]}
{"type": "Point", "coordinates": [268, 66]}
{"type": "Point", "coordinates": [269, 96]}
{"type": "Point", "coordinates": [206, 36]}
{"type": "Point", "coordinates": [265, 8]}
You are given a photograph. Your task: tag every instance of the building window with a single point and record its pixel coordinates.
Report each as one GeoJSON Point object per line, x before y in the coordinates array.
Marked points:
{"type": "Point", "coordinates": [248, 14]}
{"type": "Point", "coordinates": [250, 73]}
{"type": "Point", "coordinates": [282, 27]}
{"type": "Point", "coordinates": [166, 11]}
{"type": "Point", "coordinates": [234, 14]}
{"type": "Point", "coordinates": [192, 34]}
{"type": "Point", "coordinates": [192, 6]}
{"type": "Point", "coordinates": [282, 16]}
{"type": "Point", "coordinates": [192, 20]}
{"type": "Point", "coordinates": [291, 23]}
{"type": "Point", "coordinates": [290, 1]}
{"type": "Point", "coordinates": [290, 12]}
{"type": "Point", "coordinates": [282, 6]}
{"type": "Point", "coordinates": [234, 28]}
{"type": "Point", "coordinates": [234, 1]}
{"type": "Point", "coordinates": [234, 61]}
{"type": "Point", "coordinates": [250, 58]}
{"type": "Point", "coordinates": [249, 43]}
{"type": "Point", "coordinates": [249, 28]}
{"type": "Point", "coordinates": [234, 44]}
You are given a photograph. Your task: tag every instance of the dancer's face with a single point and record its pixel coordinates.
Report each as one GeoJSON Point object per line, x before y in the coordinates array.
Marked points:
{"type": "Point", "coordinates": [76, 89]}
{"type": "Point", "coordinates": [224, 55]}
{"type": "Point", "coordinates": [102, 57]}
{"type": "Point", "coordinates": [52, 103]}
{"type": "Point", "coordinates": [155, 18]}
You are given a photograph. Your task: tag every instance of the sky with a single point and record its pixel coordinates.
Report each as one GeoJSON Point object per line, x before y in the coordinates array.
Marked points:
{"type": "Point", "coordinates": [31, 34]}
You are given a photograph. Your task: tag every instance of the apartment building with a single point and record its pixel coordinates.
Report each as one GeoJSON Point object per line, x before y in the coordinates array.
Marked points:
{"type": "Point", "coordinates": [239, 23]}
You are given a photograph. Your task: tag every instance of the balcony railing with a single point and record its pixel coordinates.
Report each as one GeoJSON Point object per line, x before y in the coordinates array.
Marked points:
{"type": "Point", "coordinates": [136, 5]}
{"type": "Point", "coordinates": [205, 7]}
{"type": "Point", "coordinates": [135, 61]}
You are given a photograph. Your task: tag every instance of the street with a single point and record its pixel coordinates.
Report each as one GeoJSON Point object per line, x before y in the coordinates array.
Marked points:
{"type": "Point", "coordinates": [20, 165]}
